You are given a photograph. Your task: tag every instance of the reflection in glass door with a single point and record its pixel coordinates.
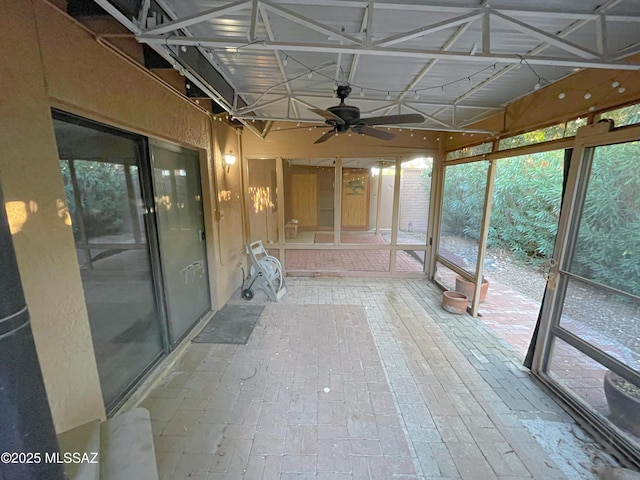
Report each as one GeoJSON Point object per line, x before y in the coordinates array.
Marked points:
{"type": "Point", "coordinates": [594, 322]}
{"type": "Point", "coordinates": [180, 219]}
{"type": "Point", "coordinates": [100, 168]}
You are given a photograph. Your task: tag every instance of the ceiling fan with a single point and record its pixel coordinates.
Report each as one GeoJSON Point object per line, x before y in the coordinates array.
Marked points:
{"type": "Point", "coordinates": [344, 117]}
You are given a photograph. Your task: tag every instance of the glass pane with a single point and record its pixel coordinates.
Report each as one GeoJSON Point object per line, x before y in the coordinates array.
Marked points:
{"type": "Point", "coordinates": [415, 191]}
{"type": "Point", "coordinates": [263, 202]}
{"type": "Point", "coordinates": [336, 261]}
{"type": "Point", "coordinates": [608, 244]}
{"type": "Point", "coordinates": [409, 261]}
{"type": "Point", "coordinates": [365, 217]}
{"type": "Point", "coordinates": [103, 194]}
{"type": "Point", "coordinates": [553, 132]}
{"type": "Point", "coordinates": [462, 206]}
{"type": "Point", "coordinates": [176, 180]}
{"type": "Point", "coordinates": [309, 198]}
{"type": "Point", "coordinates": [470, 151]}
{"type": "Point", "coordinates": [445, 276]}
{"type": "Point", "coordinates": [524, 221]}
{"type": "Point", "coordinates": [624, 116]}
{"type": "Point", "coordinates": [579, 373]}
{"type": "Point", "coordinates": [573, 125]}
{"type": "Point", "coordinates": [607, 321]}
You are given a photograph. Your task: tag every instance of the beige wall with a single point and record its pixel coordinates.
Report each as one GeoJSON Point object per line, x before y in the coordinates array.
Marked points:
{"type": "Point", "coordinates": [543, 107]}
{"type": "Point", "coordinates": [298, 143]}
{"type": "Point", "coordinates": [48, 60]}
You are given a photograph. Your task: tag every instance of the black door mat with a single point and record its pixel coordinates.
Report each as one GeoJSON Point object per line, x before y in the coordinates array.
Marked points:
{"type": "Point", "coordinates": [233, 324]}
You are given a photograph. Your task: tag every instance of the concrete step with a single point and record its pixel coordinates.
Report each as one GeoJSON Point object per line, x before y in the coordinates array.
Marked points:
{"type": "Point", "coordinates": [82, 446]}
{"type": "Point", "coordinates": [127, 447]}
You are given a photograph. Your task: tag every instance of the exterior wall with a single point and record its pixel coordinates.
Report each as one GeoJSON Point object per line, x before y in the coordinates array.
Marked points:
{"type": "Point", "coordinates": [50, 61]}
{"type": "Point", "coordinates": [298, 143]}
{"type": "Point", "coordinates": [263, 219]}
{"type": "Point", "coordinates": [414, 201]}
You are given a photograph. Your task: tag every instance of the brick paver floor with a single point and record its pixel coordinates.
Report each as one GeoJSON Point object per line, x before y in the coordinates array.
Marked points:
{"type": "Point", "coordinates": [362, 378]}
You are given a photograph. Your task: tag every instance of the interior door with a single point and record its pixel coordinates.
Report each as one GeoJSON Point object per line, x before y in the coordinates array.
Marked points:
{"type": "Point", "coordinates": [355, 199]}
{"type": "Point", "coordinates": [178, 198]}
{"type": "Point", "coordinates": [304, 201]}
{"type": "Point", "coordinates": [591, 316]}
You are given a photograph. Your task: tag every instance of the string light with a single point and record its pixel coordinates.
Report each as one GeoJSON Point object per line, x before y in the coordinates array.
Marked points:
{"type": "Point", "coordinates": [183, 48]}
{"type": "Point", "coordinates": [615, 84]}
{"type": "Point", "coordinates": [621, 90]}
{"type": "Point", "coordinates": [561, 95]}
{"type": "Point", "coordinates": [587, 96]}
{"type": "Point", "coordinates": [416, 92]}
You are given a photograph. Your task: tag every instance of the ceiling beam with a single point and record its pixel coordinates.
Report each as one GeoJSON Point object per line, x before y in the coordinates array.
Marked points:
{"type": "Point", "coordinates": [412, 102]}
{"type": "Point", "coordinates": [308, 22]}
{"type": "Point", "coordinates": [427, 116]}
{"type": "Point", "coordinates": [254, 21]}
{"type": "Point", "coordinates": [257, 106]}
{"type": "Point", "coordinates": [448, 44]}
{"type": "Point", "coordinates": [320, 124]}
{"type": "Point", "coordinates": [427, 29]}
{"type": "Point", "coordinates": [553, 40]}
{"type": "Point", "coordinates": [267, 25]}
{"type": "Point", "coordinates": [365, 26]}
{"type": "Point", "coordinates": [385, 51]}
{"type": "Point", "coordinates": [535, 51]}
{"type": "Point", "coordinates": [198, 17]}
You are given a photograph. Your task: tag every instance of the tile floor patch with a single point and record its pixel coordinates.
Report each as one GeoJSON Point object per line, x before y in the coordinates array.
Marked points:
{"type": "Point", "coordinates": [355, 379]}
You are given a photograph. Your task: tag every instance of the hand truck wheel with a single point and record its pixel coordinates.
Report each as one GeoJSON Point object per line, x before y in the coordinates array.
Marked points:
{"type": "Point", "coordinates": [247, 294]}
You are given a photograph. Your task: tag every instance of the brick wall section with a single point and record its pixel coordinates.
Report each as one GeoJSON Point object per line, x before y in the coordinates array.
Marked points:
{"type": "Point", "coordinates": [414, 200]}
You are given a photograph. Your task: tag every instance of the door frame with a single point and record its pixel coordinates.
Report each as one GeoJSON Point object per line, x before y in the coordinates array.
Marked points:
{"type": "Point", "coordinates": [587, 139]}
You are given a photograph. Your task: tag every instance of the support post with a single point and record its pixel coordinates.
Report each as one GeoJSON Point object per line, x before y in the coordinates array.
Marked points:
{"type": "Point", "coordinates": [26, 427]}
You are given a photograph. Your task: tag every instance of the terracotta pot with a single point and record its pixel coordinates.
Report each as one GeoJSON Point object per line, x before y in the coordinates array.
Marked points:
{"type": "Point", "coordinates": [455, 302]}
{"type": "Point", "coordinates": [466, 287]}
{"type": "Point", "coordinates": [624, 407]}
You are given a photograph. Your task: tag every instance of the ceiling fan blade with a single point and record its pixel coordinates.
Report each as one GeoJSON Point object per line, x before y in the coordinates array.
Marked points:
{"type": "Point", "coordinates": [325, 137]}
{"type": "Point", "coordinates": [374, 132]}
{"type": "Point", "coordinates": [328, 115]}
{"type": "Point", "coordinates": [394, 119]}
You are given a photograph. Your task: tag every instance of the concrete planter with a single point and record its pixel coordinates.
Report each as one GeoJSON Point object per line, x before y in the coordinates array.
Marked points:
{"type": "Point", "coordinates": [455, 302]}
{"type": "Point", "coordinates": [624, 402]}
{"type": "Point", "coordinates": [466, 287]}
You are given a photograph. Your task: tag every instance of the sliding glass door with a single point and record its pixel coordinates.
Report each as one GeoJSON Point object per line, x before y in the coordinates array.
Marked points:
{"type": "Point", "coordinates": [138, 227]}
{"type": "Point", "coordinates": [180, 220]}
{"type": "Point", "coordinates": [101, 172]}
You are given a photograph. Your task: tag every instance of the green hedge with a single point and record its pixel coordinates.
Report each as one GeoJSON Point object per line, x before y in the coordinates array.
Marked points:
{"type": "Point", "coordinates": [526, 209]}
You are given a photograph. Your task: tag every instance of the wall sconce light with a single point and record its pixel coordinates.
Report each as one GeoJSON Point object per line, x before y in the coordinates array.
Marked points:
{"type": "Point", "coordinates": [229, 159]}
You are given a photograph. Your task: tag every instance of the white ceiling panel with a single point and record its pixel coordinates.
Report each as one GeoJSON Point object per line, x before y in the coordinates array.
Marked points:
{"type": "Point", "coordinates": [474, 54]}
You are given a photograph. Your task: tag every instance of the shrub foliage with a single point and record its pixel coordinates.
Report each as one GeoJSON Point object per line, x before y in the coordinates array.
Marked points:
{"type": "Point", "coordinates": [526, 208]}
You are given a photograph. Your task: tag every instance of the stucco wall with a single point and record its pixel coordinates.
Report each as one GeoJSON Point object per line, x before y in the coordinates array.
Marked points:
{"type": "Point", "coordinates": [298, 143]}
{"type": "Point", "coordinates": [50, 61]}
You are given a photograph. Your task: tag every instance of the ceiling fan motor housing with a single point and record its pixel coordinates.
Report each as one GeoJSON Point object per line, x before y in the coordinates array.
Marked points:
{"type": "Point", "coordinates": [348, 113]}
